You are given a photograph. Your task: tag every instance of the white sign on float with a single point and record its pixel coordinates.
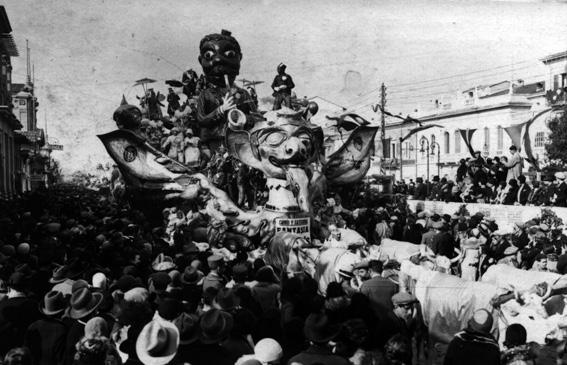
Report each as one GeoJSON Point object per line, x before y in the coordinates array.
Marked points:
{"type": "Point", "coordinates": [299, 226]}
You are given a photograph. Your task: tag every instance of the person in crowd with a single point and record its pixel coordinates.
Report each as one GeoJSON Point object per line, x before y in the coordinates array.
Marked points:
{"type": "Point", "coordinates": [517, 350]}
{"type": "Point", "coordinates": [524, 191]}
{"type": "Point", "coordinates": [512, 193]}
{"type": "Point", "coordinates": [319, 331]}
{"type": "Point", "coordinates": [282, 87]}
{"type": "Point", "coordinates": [514, 164]}
{"type": "Point", "coordinates": [536, 195]}
{"type": "Point", "coordinates": [18, 310]}
{"type": "Point", "coordinates": [172, 102]}
{"type": "Point", "coordinates": [46, 337]}
{"type": "Point", "coordinates": [560, 194]}
{"type": "Point", "coordinates": [475, 344]}
{"type": "Point", "coordinates": [378, 289]}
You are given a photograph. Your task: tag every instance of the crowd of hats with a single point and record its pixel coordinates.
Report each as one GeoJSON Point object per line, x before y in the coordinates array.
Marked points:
{"type": "Point", "coordinates": [118, 290]}
{"type": "Point", "coordinates": [72, 258]}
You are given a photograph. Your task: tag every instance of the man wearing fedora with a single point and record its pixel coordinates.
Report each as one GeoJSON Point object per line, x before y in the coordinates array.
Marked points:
{"type": "Point", "coordinates": [46, 337]}
{"type": "Point", "coordinates": [191, 287]}
{"type": "Point", "coordinates": [157, 343]}
{"type": "Point", "coordinates": [320, 332]}
{"type": "Point", "coordinates": [215, 326]}
{"type": "Point", "coordinates": [83, 305]}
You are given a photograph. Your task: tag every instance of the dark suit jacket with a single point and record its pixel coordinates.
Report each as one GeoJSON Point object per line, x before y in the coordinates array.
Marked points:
{"type": "Point", "coordinates": [318, 355]}
{"type": "Point", "coordinates": [561, 192]}
{"type": "Point", "coordinates": [511, 196]}
{"type": "Point", "coordinates": [524, 194]}
{"type": "Point", "coordinates": [379, 291]}
{"type": "Point", "coordinates": [16, 314]}
{"type": "Point", "coordinates": [46, 340]}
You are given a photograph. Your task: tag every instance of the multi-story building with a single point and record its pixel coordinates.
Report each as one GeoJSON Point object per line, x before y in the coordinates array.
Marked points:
{"type": "Point", "coordinates": [486, 109]}
{"type": "Point", "coordinates": [33, 159]}
{"type": "Point", "coordinates": [9, 159]}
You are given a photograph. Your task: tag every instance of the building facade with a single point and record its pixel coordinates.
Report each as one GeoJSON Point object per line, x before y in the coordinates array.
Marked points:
{"type": "Point", "coordinates": [9, 160]}
{"type": "Point", "coordinates": [486, 109]}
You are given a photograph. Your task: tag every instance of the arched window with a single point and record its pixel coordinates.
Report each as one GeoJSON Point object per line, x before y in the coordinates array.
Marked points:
{"type": "Point", "coordinates": [446, 142]}
{"type": "Point", "coordinates": [457, 142]}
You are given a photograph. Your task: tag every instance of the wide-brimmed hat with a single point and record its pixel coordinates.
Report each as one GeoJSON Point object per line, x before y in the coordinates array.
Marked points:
{"type": "Point", "coordinates": [53, 303]}
{"type": "Point", "coordinates": [70, 270]}
{"type": "Point", "coordinates": [83, 302]}
{"type": "Point", "coordinates": [59, 275]}
{"type": "Point", "coordinates": [188, 326]}
{"type": "Point", "coordinates": [317, 328]}
{"type": "Point", "coordinates": [191, 275]}
{"type": "Point", "coordinates": [215, 326]}
{"type": "Point", "coordinates": [560, 175]}
{"type": "Point", "coordinates": [157, 343]}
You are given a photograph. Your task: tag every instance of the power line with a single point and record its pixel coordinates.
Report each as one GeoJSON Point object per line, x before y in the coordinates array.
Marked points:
{"type": "Point", "coordinates": [451, 83]}
{"type": "Point", "coordinates": [463, 74]}
{"type": "Point", "coordinates": [375, 90]}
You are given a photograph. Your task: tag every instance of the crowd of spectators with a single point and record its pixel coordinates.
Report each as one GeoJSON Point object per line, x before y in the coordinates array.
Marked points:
{"type": "Point", "coordinates": [491, 181]}
{"type": "Point", "coordinates": [88, 281]}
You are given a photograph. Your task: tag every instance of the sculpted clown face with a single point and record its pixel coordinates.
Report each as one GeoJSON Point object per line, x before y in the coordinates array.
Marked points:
{"type": "Point", "coordinates": [284, 146]}
{"type": "Point", "coordinates": [277, 143]}
{"type": "Point", "coordinates": [220, 55]}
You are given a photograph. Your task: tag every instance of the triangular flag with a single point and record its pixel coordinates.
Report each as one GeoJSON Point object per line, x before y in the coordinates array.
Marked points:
{"type": "Point", "coordinates": [467, 134]}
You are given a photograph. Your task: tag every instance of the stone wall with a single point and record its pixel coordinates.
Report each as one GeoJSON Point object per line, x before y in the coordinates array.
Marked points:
{"type": "Point", "coordinates": [502, 214]}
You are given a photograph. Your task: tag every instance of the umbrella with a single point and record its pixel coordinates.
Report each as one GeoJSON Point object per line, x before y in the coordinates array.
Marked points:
{"type": "Point", "coordinates": [143, 82]}
{"type": "Point", "coordinates": [253, 83]}
{"type": "Point", "coordinates": [174, 83]}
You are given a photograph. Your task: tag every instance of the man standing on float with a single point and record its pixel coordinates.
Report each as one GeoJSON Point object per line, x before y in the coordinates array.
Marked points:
{"type": "Point", "coordinates": [282, 86]}
{"type": "Point", "coordinates": [220, 56]}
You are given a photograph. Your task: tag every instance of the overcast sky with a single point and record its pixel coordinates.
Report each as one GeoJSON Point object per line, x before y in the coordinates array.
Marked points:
{"type": "Point", "coordinates": [87, 53]}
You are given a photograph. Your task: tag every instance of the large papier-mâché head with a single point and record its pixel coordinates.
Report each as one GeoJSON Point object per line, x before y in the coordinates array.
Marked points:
{"type": "Point", "coordinates": [220, 55]}
{"type": "Point", "coordinates": [279, 140]}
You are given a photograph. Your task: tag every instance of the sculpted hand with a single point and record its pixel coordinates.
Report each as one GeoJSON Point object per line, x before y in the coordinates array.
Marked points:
{"type": "Point", "coordinates": [227, 103]}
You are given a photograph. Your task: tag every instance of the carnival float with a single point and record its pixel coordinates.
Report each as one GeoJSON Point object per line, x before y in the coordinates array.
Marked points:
{"type": "Point", "coordinates": [283, 145]}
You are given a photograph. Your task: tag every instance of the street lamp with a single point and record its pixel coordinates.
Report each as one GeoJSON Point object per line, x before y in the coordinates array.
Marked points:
{"type": "Point", "coordinates": [435, 146]}
{"type": "Point", "coordinates": [424, 142]}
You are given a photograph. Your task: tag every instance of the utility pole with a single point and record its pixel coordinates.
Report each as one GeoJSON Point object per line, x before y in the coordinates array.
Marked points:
{"type": "Point", "coordinates": [383, 119]}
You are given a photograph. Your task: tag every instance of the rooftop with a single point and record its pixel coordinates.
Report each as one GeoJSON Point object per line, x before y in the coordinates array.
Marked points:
{"type": "Point", "coordinates": [554, 57]}
{"type": "Point", "coordinates": [5, 26]}
{"type": "Point", "coordinates": [7, 43]}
